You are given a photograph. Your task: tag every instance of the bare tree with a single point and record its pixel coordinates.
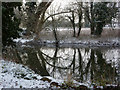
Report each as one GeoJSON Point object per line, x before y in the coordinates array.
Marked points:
{"type": "Point", "coordinates": [34, 16]}
{"type": "Point", "coordinates": [80, 16]}
{"type": "Point", "coordinates": [54, 30]}
{"type": "Point", "coordinates": [90, 15]}
{"type": "Point", "coordinates": [72, 19]}
{"type": "Point", "coordinates": [76, 13]}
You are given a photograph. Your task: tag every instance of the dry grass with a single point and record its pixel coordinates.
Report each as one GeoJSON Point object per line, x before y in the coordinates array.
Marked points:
{"type": "Point", "coordinates": [85, 34]}
{"type": "Point", "coordinates": [111, 33]}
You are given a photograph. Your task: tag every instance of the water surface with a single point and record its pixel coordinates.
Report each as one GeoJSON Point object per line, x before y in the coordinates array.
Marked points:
{"type": "Point", "coordinates": [96, 65]}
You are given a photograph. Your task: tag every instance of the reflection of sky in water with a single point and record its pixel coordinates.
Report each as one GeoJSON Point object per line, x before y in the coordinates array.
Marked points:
{"type": "Point", "coordinates": [99, 63]}
{"type": "Point", "coordinates": [67, 54]}
{"type": "Point", "coordinates": [113, 56]}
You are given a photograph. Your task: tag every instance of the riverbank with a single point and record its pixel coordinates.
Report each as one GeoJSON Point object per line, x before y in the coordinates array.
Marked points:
{"type": "Point", "coordinates": [73, 42]}
{"type": "Point", "coordinates": [14, 75]}
{"type": "Point", "coordinates": [109, 38]}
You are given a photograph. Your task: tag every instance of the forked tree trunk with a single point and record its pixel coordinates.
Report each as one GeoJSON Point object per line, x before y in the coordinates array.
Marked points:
{"type": "Point", "coordinates": [36, 19]}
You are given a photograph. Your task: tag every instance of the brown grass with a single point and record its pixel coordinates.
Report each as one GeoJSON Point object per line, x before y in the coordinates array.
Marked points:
{"type": "Point", "coordinates": [85, 34]}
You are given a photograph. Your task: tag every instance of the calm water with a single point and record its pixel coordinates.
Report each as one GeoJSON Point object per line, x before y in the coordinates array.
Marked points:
{"type": "Point", "coordinates": [98, 65]}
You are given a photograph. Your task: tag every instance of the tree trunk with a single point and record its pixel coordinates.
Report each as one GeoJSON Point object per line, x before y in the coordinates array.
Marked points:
{"type": "Point", "coordinates": [55, 58]}
{"type": "Point", "coordinates": [99, 29]}
{"type": "Point", "coordinates": [73, 23]}
{"type": "Point", "coordinates": [80, 24]}
{"type": "Point", "coordinates": [80, 65]}
{"type": "Point", "coordinates": [74, 60]}
{"type": "Point", "coordinates": [92, 27]}
{"type": "Point", "coordinates": [72, 19]}
{"type": "Point", "coordinates": [34, 63]}
{"type": "Point", "coordinates": [35, 20]}
{"type": "Point", "coordinates": [80, 17]}
{"type": "Point", "coordinates": [54, 31]}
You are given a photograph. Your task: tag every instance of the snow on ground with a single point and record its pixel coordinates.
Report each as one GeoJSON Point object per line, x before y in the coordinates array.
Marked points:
{"type": "Point", "coordinates": [91, 43]}
{"type": "Point", "coordinates": [22, 40]}
{"type": "Point", "coordinates": [14, 75]}
{"type": "Point", "coordinates": [11, 76]}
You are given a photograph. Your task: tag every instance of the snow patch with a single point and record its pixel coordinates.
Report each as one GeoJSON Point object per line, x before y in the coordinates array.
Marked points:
{"type": "Point", "coordinates": [14, 75]}
{"type": "Point", "coordinates": [22, 40]}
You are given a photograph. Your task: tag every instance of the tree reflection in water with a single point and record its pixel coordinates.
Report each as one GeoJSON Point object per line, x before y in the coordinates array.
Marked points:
{"type": "Point", "coordinates": [85, 64]}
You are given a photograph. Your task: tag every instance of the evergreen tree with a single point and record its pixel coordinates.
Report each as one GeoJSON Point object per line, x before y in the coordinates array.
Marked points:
{"type": "Point", "coordinates": [10, 24]}
{"type": "Point", "coordinates": [104, 13]}
{"type": "Point", "coordinates": [100, 14]}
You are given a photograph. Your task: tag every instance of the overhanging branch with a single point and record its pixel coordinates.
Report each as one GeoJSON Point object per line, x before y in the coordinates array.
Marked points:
{"type": "Point", "coordinates": [54, 15]}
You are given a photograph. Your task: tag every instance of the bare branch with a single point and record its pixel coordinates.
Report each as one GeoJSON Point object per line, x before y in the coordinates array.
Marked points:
{"type": "Point", "coordinates": [54, 15]}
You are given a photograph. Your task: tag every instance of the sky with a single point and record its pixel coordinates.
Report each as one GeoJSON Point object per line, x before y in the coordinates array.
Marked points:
{"type": "Point", "coordinates": [63, 3]}
{"type": "Point", "coordinates": [57, 3]}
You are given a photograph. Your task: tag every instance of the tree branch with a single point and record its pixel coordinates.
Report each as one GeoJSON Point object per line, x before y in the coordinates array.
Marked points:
{"type": "Point", "coordinates": [54, 15]}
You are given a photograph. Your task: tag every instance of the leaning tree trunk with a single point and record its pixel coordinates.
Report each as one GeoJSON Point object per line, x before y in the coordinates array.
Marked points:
{"type": "Point", "coordinates": [39, 25]}
{"type": "Point", "coordinates": [35, 20]}
{"type": "Point", "coordinates": [40, 16]}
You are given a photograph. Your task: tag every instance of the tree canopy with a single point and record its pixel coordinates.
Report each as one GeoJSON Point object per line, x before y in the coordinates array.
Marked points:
{"type": "Point", "coordinates": [100, 14]}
